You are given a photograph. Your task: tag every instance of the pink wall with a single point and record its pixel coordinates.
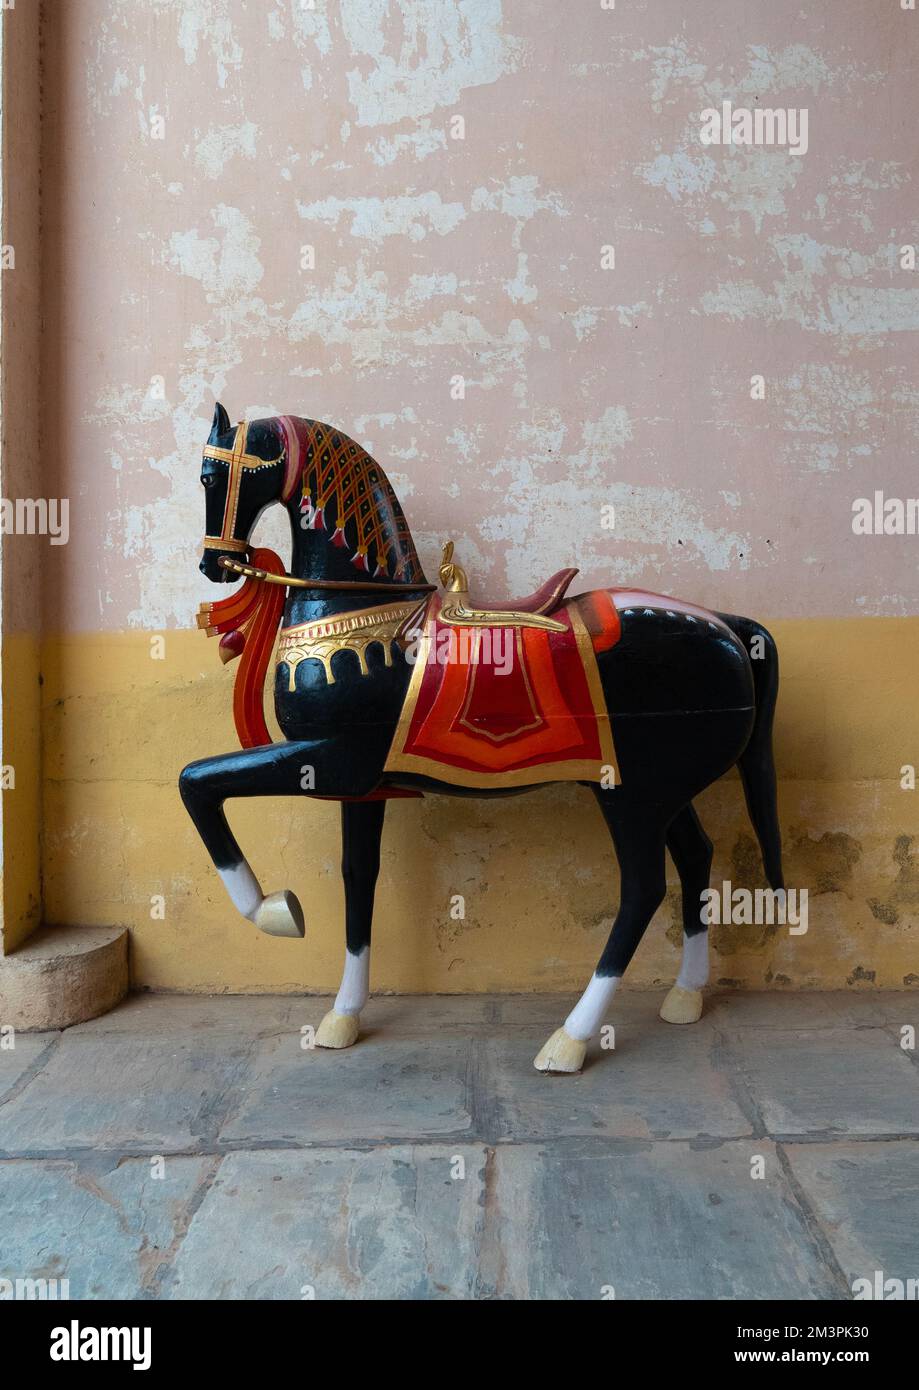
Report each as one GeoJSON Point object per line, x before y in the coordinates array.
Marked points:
{"type": "Point", "coordinates": [180, 257]}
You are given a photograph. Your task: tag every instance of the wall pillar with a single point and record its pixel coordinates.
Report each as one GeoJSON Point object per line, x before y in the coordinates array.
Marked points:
{"type": "Point", "coordinates": [20, 464]}
{"type": "Point", "coordinates": [49, 977]}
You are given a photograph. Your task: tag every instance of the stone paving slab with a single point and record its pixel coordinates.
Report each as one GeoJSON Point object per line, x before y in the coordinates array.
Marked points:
{"type": "Point", "coordinates": [263, 1015]}
{"type": "Point", "coordinates": [379, 1089]}
{"type": "Point", "coordinates": [835, 1081]}
{"type": "Point", "coordinates": [332, 1224]}
{"type": "Point", "coordinates": [880, 1010]}
{"type": "Point", "coordinates": [866, 1196]}
{"type": "Point", "coordinates": [104, 1226]}
{"type": "Point", "coordinates": [667, 1083]}
{"type": "Point", "coordinates": [15, 1061]}
{"type": "Point", "coordinates": [775, 1010]}
{"type": "Point", "coordinates": [575, 1220]}
{"type": "Point", "coordinates": [111, 1092]}
{"type": "Point", "coordinates": [166, 1015]}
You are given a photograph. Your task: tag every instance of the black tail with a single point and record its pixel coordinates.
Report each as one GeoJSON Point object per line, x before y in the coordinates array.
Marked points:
{"type": "Point", "coordinates": [757, 767]}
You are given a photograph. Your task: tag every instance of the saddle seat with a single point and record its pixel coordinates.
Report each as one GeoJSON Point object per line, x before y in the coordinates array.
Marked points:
{"type": "Point", "coordinates": [537, 605]}
{"type": "Point", "coordinates": [545, 599]}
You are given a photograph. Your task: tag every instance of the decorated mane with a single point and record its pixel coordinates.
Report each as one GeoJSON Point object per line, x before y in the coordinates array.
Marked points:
{"type": "Point", "coordinates": [341, 486]}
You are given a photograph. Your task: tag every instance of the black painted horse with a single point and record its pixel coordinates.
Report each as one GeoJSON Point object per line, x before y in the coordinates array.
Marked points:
{"type": "Point", "coordinates": [685, 693]}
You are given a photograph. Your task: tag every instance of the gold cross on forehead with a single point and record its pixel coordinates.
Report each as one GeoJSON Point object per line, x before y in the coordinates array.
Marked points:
{"type": "Point", "coordinates": [238, 453]}
{"type": "Point", "coordinates": [238, 459]}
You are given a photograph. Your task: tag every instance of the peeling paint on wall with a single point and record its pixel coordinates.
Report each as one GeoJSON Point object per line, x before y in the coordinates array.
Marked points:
{"type": "Point", "coordinates": [476, 251]}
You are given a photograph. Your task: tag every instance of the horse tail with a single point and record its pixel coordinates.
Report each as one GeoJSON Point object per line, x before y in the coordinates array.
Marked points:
{"type": "Point", "coordinates": [756, 762]}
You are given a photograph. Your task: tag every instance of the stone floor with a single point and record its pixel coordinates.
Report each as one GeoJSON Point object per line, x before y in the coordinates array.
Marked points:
{"type": "Point", "coordinates": [189, 1147]}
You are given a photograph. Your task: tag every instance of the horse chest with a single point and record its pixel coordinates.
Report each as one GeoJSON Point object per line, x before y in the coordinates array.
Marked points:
{"type": "Point", "coordinates": [345, 681]}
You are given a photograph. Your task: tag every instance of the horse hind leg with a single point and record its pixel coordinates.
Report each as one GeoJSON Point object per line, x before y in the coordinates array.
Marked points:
{"type": "Point", "coordinates": [274, 770]}
{"type": "Point", "coordinates": [691, 851]}
{"type": "Point", "coordinates": [361, 832]}
{"type": "Point", "coordinates": [639, 843]}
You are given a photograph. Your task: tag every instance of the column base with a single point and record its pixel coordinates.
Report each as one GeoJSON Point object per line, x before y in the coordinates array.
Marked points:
{"type": "Point", "coordinates": [63, 975]}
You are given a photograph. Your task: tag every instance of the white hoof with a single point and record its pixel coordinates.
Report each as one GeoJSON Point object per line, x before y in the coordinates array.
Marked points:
{"type": "Point", "coordinates": [682, 1006]}
{"type": "Point", "coordinates": [280, 914]}
{"type": "Point", "coordinates": [561, 1053]}
{"type": "Point", "coordinates": [338, 1030]}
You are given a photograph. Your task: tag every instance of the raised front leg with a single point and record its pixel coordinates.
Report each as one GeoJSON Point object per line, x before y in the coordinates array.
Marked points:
{"type": "Point", "coordinates": [361, 832]}
{"type": "Point", "coordinates": [273, 770]}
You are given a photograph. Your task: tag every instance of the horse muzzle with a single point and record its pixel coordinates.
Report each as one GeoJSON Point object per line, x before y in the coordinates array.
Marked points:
{"type": "Point", "coordinates": [209, 565]}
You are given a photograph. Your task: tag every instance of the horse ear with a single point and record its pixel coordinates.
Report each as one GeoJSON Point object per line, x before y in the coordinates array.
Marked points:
{"type": "Point", "coordinates": [221, 423]}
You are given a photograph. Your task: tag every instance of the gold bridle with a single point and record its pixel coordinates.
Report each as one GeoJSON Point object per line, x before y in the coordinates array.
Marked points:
{"type": "Point", "coordinates": [238, 461]}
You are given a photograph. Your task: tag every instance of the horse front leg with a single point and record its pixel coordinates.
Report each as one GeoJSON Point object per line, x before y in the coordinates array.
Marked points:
{"type": "Point", "coordinates": [361, 832]}
{"type": "Point", "coordinates": [273, 770]}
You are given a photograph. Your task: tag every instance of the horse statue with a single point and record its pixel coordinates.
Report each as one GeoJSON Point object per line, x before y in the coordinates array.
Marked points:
{"type": "Point", "coordinates": [385, 688]}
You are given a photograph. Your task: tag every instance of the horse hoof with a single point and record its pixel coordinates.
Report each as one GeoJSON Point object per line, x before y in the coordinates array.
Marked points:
{"type": "Point", "coordinates": [561, 1053]}
{"type": "Point", "coordinates": [338, 1030]}
{"type": "Point", "coordinates": [280, 914]}
{"type": "Point", "coordinates": [682, 1006]}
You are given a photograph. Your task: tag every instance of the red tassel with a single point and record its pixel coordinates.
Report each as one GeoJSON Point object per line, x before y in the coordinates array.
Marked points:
{"type": "Point", "coordinates": [317, 521]}
{"type": "Point", "coordinates": [338, 538]}
{"type": "Point", "coordinates": [230, 646]}
{"type": "Point", "coordinates": [380, 573]}
{"type": "Point", "coordinates": [360, 562]}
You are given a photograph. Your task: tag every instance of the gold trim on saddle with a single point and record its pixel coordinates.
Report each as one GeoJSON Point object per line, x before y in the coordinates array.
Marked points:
{"type": "Point", "coordinates": [457, 612]}
{"type": "Point", "coordinates": [352, 632]}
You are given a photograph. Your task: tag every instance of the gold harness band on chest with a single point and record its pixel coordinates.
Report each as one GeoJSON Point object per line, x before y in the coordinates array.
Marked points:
{"type": "Point", "coordinates": [351, 632]}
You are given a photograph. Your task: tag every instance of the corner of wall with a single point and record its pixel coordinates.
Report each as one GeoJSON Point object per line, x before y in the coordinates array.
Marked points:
{"type": "Point", "coordinates": [20, 472]}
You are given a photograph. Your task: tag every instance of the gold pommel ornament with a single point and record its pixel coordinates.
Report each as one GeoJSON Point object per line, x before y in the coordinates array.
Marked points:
{"type": "Point", "coordinates": [457, 611]}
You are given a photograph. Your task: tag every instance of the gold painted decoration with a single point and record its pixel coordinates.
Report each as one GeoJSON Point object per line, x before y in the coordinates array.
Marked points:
{"type": "Point", "coordinates": [238, 461]}
{"type": "Point", "coordinates": [456, 610]}
{"type": "Point", "coordinates": [351, 632]}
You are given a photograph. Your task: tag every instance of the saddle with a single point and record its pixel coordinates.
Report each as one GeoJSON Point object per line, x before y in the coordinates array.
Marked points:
{"type": "Point", "coordinates": [532, 611]}
{"type": "Point", "coordinates": [507, 695]}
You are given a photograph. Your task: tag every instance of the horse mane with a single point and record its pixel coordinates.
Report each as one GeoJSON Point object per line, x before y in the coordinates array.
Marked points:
{"type": "Point", "coordinates": [345, 493]}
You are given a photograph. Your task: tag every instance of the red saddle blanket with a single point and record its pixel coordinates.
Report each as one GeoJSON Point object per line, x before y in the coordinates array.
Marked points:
{"type": "Point", "coordinates": [508, 707]}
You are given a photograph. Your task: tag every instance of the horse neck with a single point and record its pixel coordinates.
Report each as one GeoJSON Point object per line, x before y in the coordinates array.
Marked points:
{"type": "Point", "coordinates": [339, 477]}
{"type": "Point", "coordinates": [313, 556]}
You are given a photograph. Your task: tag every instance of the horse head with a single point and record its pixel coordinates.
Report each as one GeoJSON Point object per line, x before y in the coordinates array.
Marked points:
{"type": "Point", "coordinates": [344, 514]}
{"type": "Point", "coordinates": [243, 470]}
